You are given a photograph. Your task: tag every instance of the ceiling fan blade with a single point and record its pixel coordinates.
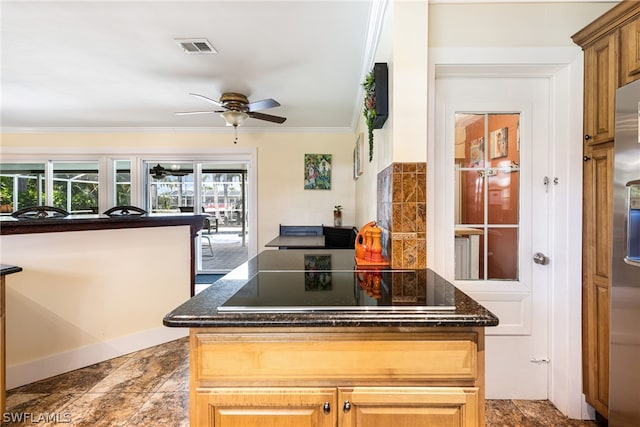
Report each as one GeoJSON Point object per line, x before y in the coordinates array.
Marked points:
{"type": "Point", "coordinates": [213, 101]}
{"type": "Point", "coordinates": [263, 104]}
{"type": "Point", "coordinates": [185, 113]}
{"type": "Point", "coordinates": [267, 117]}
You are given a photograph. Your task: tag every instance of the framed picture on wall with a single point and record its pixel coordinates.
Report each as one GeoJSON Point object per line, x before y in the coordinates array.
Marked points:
{"type": "Point", "coordinates": [317, 171]}
{"type": "Point", "coordinates": [358, 156]}
{"type": "Point", "coordinates": [498, 143]}
{"type": "Point", "coordinates": [476, 152]}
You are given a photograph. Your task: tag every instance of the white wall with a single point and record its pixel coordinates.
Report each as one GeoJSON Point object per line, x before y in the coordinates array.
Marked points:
{"type": "Point", "coordinates": [87, 296]}
{"type": "Point", "coordinates": [510, 24]}
{"type": "Point", "coordinates": [403, 138]}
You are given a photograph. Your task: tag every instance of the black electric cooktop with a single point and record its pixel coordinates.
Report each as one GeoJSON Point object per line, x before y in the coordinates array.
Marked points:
{"type": "Point", "coordinates": [317, 288]}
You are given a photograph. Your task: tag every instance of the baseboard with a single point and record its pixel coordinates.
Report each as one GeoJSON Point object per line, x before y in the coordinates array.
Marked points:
{"type": "Point", "coordinates": [36, 370]}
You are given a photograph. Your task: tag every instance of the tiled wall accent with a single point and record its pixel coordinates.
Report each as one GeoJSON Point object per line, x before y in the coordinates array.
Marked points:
{"type": "Point", "coordinates": [402, 214]}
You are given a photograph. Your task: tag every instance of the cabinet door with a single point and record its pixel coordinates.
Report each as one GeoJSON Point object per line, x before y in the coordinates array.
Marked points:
{"type": "Point", "coordinates": [601, 81]}
{"type": "Point", "coordinates": [265, 407]}
{"type": "Point", "coordinates": [630, 52]}
{"type": "Point", "coordinates": [409, 407]}
{"type": "Point", "coordinates": [596, 281]}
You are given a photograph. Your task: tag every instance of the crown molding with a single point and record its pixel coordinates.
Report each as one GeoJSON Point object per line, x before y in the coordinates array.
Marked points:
{"type": "Point", "coordinates": [175, 130]}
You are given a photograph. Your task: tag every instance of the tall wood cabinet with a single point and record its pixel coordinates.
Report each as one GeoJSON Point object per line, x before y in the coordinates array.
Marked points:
{"type": "Point", "coordinates": [611, 59]}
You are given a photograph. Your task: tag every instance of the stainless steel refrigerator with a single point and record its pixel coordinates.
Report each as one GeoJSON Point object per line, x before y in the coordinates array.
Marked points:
{"type": "Point", "coordinates": [624, 367]}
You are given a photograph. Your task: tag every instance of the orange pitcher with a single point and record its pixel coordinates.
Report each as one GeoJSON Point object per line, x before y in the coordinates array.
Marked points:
{"type": "Point", "coordinates": [361, 241]}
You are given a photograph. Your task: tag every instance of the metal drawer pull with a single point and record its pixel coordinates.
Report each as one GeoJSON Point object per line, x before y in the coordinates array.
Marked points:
{"type": "Point", "coordinates": [326, 407]}
{"type": "Point", "coordinates": [347, 406]}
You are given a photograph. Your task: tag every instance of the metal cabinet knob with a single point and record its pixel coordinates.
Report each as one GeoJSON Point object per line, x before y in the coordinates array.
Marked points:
{"type": "Point", "coordinates": [540, 258]}
{"type": "Point", "coordinates": [347, 406]}
{"type": "Point", "coordinates": [587, 137]}
{"type": "Point", "coordinates": [326, 407]}
{"type": "Point", "coordinates": [586, 158]}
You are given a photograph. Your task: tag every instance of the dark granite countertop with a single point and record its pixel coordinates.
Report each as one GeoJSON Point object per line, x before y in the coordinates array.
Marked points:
{"type": "Point", "coordinates": [9, 269]}
{"type": "Point", "coordinates": [322, 288]}
{"type": "Point", "coordinates": [10, 225]}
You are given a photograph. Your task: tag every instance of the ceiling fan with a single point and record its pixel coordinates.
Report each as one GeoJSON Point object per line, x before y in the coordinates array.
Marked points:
{"type": "Point", "coordinates": [159, 171]}
{"type": "Point", "coordinates": [235, 108]}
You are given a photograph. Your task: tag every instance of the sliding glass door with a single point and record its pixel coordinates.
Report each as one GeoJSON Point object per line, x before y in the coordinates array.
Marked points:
{"type": "Point", "coordinates": [216, 190]}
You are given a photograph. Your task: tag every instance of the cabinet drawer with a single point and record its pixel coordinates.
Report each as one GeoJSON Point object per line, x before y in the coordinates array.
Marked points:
{"type": "Point", "coordinates": [415, 406]}
{"type": "Point", "coordinates": [293, 357]}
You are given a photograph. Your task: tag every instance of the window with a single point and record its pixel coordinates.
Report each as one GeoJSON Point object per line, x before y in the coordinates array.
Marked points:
{"type": "Point", "coordinates": [21, 185]}
{"type": "Point", "coordinates": [487, 158]}
{"type": "Point", "coordinates": [76, 186]}
{"type": "Point", "coordinates": [122, 184]}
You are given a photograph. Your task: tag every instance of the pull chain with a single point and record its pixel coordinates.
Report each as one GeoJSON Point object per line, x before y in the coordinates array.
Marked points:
{"type": "Point", "coordinates": [235, 134]}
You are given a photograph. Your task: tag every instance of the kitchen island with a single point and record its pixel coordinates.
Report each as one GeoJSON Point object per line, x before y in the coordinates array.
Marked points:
{"type": "Point", "coordinates": [303, 338]}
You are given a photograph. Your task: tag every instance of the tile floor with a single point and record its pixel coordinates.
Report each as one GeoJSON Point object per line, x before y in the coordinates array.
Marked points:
{"type": "Point", "coordinates": [151, 388]}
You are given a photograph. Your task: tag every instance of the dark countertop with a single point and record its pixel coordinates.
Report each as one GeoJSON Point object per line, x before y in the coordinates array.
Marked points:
{"type": "Point", "coordinates": [405, 298]}
{"type": "Point", "coordinates": [9, 269]}
{"type": "Point", "coordinates": [10, 225]}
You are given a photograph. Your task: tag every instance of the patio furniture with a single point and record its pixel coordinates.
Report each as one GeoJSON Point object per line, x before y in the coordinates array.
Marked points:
{"type": "Point", "coordinates": [209, 222]}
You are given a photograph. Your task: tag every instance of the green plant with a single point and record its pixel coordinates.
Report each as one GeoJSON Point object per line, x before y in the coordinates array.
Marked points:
{"type": "Point", "coordinates": [369, 110]}
{"type": "Point", "coordinates": [5, 191]}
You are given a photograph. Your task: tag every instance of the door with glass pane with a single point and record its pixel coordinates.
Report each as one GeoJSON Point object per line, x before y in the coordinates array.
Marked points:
{"type": "Point", "coordinates": [492, 157]}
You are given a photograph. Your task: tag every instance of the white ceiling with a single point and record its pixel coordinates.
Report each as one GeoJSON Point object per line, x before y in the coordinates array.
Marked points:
{"type": "Point", "coordinates": [103, 64]}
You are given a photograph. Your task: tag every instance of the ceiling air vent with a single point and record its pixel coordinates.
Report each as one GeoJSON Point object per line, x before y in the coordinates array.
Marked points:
{"type": "Point", "coordinates": [196, 45]}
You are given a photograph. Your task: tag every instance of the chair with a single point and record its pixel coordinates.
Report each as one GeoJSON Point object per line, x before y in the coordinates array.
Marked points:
{"type": "Point", "coordinates": [208, 241]}
{"type": "Point", "coordinates": [207, 224]}
{"type": "Point", "coordinates": [40, 212]}
{"type": "Point", "coordinates": [125, 210]}
{"type": "Point", "coordinates": [209, 221]}
{"type": "Point", "coordinates": [301, 230]}
{"type": "Point", "coordinates": [340, 238]}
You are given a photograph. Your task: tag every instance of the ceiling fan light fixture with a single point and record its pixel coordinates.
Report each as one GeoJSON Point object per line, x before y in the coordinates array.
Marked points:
{"type": "Point", "coordinates": [234, 118]}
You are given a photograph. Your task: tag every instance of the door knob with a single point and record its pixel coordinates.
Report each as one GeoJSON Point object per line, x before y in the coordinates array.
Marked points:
{"type": "Point", "coordinates": [540, 258]}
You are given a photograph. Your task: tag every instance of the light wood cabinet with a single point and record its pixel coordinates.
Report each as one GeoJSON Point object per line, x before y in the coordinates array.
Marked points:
{"type": "Point", "coordinates": [600, 81]}
{"type": "Point", "coordinates": [597, 223]}
{"type": "Point", "coordinates": [274, 406]}
{"type": "Point", "coordinates": [630, 52]}
{"type": "Point", "coordinates": [344, 377]}
{"type": "Point", "coordinates": [611, 59]}
{"type": "Point", "coordinates": [344, 407]}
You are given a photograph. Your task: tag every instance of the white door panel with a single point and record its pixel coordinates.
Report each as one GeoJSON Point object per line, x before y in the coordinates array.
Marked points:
{"type": "Point", "coordinates": [516, 350]}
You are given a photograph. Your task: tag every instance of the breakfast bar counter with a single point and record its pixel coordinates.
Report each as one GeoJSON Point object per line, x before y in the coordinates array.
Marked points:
{"type": "Point", "coordinates": [5, 270]}
{"type": "Point", "coordinates": [304, 337]}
